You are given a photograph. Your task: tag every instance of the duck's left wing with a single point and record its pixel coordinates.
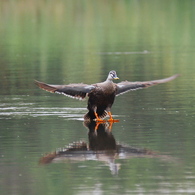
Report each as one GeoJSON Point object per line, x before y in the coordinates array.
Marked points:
{"type": "Point", "coordinates": [126, 86]}
{"type": "Point", "coordinates": [78, 91]}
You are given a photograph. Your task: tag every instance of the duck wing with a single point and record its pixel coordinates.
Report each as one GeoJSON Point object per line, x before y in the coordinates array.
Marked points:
{"type": "Point", "coordinates": [78, 91]}
{"type": "Point", "coordinates": [126, 86]}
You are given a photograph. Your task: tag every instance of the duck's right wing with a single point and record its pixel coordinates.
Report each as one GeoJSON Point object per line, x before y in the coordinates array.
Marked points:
{"type": "Point", "coordinates": [78, 91]}
{"type": "Point", "coordinates": [126, 86]}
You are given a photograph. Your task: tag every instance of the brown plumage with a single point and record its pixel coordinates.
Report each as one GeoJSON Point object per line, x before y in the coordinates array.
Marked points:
{"type": "Point", "coordinates": [100, 95]}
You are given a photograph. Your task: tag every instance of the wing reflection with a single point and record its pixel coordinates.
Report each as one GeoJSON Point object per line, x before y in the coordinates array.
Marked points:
{"type": "Point", "coordinates": [102, 146]}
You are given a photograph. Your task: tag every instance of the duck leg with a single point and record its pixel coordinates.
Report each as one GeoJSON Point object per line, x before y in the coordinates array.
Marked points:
{"type": "Point", "coordinates": [111, 119]}
{"type": "Point", "coordinates": [97, 117]}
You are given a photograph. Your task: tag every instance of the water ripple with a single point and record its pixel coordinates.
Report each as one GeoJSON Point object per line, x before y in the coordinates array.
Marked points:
{"type": "Point", "coordinates": [66, 112]}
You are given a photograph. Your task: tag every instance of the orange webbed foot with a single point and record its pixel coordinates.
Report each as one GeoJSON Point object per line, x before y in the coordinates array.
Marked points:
{"type": "Point", "coordinates": [111, 119]}
{"type": "Point", "coordinates": [97, 119]}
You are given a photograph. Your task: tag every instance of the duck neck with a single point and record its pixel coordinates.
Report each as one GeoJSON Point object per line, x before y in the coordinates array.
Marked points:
{"type": "Point", "coordinates": [109, 81]}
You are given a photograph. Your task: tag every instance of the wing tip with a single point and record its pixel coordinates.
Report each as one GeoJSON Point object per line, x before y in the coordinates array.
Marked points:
{"type": "Point", "coordinates": [45, 86]}
{"type": "Point", "coordinates": [36, 82]}
{"type": "Point", "coordinates": [174, 76]}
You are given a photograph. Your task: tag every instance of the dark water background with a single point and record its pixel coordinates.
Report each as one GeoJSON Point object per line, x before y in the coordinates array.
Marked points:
{"type": "Point", "coordinates": [81, 41]}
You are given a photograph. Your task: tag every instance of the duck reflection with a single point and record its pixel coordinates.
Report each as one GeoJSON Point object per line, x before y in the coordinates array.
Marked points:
{"type": "Point", "coordinates": [102, 146]}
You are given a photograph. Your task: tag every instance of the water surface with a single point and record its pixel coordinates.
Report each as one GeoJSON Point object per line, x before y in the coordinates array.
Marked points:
{"type": "Point", "coordinates": [151, 149]}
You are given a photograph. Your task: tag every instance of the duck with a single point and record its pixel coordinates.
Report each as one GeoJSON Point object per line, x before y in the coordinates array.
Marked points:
{"type": "Point", "coordinates": [101, 96]}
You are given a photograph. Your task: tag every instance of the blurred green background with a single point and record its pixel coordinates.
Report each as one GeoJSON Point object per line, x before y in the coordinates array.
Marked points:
{"type": "Point", "coordinates": [52, 40]}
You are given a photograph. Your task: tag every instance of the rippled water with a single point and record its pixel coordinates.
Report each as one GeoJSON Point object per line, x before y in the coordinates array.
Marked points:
{"type": "Point", "coordinates": [28, 109]}
{"type": "Point", "coordinates": [45, 146]}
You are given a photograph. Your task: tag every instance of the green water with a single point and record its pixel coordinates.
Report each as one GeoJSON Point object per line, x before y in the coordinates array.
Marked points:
{"type": "Point", "coordinates": [63, 42]}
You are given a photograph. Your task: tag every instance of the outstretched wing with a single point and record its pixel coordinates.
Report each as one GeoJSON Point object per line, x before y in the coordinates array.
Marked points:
{"type": "Point", "coordinates": [126, 86]}
{"type": "Point", "coordinates": [78, 91]}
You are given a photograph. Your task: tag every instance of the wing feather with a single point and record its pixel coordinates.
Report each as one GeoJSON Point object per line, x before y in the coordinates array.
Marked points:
{"type": "Point", "coordinates": [126, 86]}
{"type": "Point", "coordinates": [78, 91]}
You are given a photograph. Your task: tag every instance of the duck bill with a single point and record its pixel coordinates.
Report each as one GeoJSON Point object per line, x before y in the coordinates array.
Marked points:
{"type": "Point", "coordinates": [116, 78]}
